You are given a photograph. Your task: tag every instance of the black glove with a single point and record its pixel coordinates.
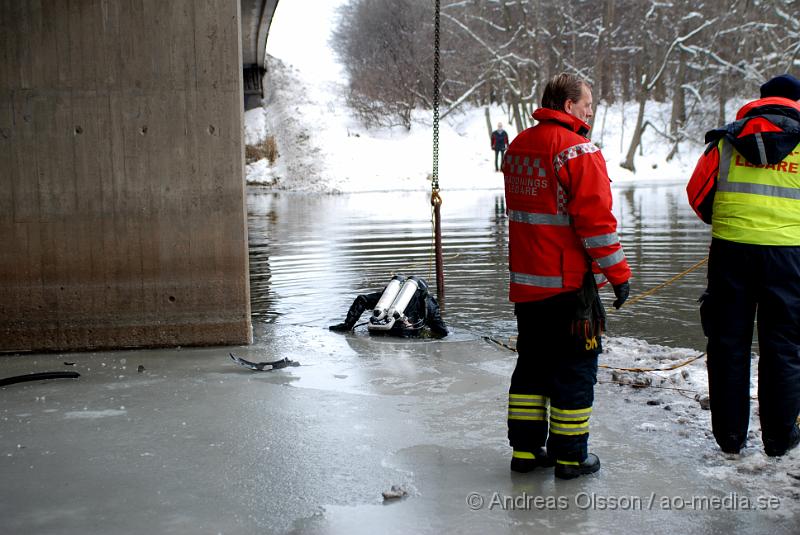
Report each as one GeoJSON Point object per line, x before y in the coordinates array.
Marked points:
{"type": "Point", "coordinates": [621, 291]}
{"type": "Point", "coordinates": [340, 328]}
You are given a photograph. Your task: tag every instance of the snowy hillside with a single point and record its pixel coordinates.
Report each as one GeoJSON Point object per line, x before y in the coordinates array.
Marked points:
{"type": "Point", "coordinates": [323, 148]}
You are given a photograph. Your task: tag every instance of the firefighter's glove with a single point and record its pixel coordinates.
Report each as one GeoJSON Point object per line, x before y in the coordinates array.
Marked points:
{"type": "Point", "coordinates": [340, 327]}
{"type": "Point", "coordinates": [621, 291]}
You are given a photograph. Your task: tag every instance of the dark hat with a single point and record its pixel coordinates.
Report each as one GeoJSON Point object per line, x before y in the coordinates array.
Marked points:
{"type": "Point", "coordinates": [785, 85]}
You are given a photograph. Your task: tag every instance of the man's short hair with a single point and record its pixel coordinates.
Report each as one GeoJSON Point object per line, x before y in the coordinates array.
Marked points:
{"type": "Point", "coordinates": [560, 88]}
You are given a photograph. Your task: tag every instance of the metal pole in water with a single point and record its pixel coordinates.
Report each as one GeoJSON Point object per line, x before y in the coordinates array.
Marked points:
{"type": "Point", "coordinates": [436, 200]}
{"type": "Point", "coordinates": [437, 225]}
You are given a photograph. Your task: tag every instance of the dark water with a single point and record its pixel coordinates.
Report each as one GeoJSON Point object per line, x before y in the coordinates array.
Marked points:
{"type": "Point", "coordinates": [310, 255]}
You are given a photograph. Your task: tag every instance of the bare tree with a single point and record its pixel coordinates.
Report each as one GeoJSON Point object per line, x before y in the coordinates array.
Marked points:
{"type": "Point", "coordinates": [693, 54]}
{"type": "Point", "coordinates": [383, 46]}
{"type": "Point", "coordinates": [650, 78]}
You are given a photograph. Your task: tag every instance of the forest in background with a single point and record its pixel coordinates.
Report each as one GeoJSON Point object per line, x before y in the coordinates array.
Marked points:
{"type": "Point", "coordinates": [693, 55]}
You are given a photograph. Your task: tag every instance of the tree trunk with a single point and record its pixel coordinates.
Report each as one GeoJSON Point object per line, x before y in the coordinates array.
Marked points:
{"type": "Point", "coordinates": [660, 90]}
{"type": "Point", "coordinates": [603, 126]}
{"type": "Point", "coordinates": [600, 60]}
{"type": "Point", "coordinates": [607, 92]}
{"type": "Point", "coordinates": [678, 116]}
{"type": "Point", "coordinates": [488, 122]}
{"type": "Point", "coordinates": [517, 115]}
{"type": "Point", "coordinates": [625, 67]}
{"type": "Point", "coordinates": [721, 99]}
{"type": "Point", "coordinates": [637, 131]}
{"type": "Point", "coordinates": [528, 111]}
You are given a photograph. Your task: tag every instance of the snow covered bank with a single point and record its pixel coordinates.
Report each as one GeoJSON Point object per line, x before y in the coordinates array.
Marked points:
{"type": "Point", "coordinates": [323, 148]}
{"type": "Point", "coordinates": [673, 403]}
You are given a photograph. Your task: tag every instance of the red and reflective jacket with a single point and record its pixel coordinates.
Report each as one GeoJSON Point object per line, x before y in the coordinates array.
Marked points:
{"type": "Point", "coordinates": [558, 196]}
{"type": "Point", "coordinates": [762, 134]}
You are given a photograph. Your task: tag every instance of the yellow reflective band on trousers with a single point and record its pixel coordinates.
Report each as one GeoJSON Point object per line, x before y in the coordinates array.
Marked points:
{"type": "Point", "coordinates": [523, 455]}
{"type": "Point", "coordinates": [527, 407]}
{"type": "Point", "coordinates": [527, 414]}
{"type": "Point", "coordinates": [569, 422]}
{"type": "Point", "coordinates": [527, 400]}
{"type": "Point", "coordinates": [570, 414]}
{"type": "Point", "coordinates": [757, 204]}
{"type": "Point", "coordinates": [569, 429]}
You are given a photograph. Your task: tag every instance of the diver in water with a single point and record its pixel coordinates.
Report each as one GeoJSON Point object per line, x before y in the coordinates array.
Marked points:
{"type": "Point", "coordinates": [403, 308]}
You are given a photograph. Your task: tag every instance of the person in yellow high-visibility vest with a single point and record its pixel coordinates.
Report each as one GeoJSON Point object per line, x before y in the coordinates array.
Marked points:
{"type": "Point", "coordinates": [747, 186]}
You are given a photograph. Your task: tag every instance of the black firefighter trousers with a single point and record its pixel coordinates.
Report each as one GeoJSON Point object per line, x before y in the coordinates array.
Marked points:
{"type": "Point", "coordinates": [744, 281]}
{"type": "Point", "coordinates": [552, 387]}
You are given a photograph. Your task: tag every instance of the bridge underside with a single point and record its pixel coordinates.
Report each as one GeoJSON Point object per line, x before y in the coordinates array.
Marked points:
{"type": "Point", "coordinates": [122, 200]}
{"type": "Point", "coordinates": [256, 21]}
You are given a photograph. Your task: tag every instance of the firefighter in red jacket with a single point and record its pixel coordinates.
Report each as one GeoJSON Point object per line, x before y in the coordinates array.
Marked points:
{"type": "Point", "coordinates": [562, 243]}
{"type": "Point", "coordinates": [747, 186]}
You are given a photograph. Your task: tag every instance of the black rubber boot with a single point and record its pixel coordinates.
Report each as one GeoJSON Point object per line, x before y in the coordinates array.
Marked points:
{"type": "Point", "coordinates": [525, 461]}
{"type": "Point", "coordinates": [732, 443]}
{"type": "Point", "coordinates": [590, 465]}
{"type": "Point", "coordinates": [794, 440]}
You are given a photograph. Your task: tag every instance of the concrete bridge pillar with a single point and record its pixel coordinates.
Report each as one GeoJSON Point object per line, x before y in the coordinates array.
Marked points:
{"type": "Point", "coordinates": [122, 202]}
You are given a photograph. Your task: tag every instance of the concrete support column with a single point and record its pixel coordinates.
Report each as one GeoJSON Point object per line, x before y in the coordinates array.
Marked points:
{"type": "Point", "coordinates": [122, 206]}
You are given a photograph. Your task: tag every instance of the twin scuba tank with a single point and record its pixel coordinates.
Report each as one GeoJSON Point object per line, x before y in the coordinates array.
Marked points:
{"type": "Point", "coordinates": [392, 305]}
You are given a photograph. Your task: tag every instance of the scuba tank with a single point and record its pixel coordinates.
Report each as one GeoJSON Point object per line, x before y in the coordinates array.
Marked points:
{"type": "Point", "coordinates": [395, 311]}
{"type": "Point", "coordinates": [396, 318]}
{"type": "Point", "coordinates": [387, 298]}
{"type": "Point", "coordinates": [398, 308]}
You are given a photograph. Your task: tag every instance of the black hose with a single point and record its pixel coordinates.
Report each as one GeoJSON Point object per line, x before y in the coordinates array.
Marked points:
{"type": "Point", "coordinates": [40, 376]}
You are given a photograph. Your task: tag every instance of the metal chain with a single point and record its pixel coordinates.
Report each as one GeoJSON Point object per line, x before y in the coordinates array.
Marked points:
{"type": "Point", "coordinates": [435, 174]}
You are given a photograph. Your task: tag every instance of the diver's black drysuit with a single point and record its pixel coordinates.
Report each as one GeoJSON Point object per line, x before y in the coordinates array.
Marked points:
{"type": "Point", "coordinates": [421, 311]}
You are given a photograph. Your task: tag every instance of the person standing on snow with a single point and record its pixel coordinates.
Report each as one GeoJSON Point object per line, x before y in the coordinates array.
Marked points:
{"type": "Point", "coordinates": [747, 186]}
{"type": "Point", "coordinates": [561, 226]}
{"type": "Point", "coordinates": [499, 144]}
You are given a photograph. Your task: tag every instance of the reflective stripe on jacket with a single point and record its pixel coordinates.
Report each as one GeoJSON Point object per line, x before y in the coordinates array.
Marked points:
{"type": "Point", "coordinates": [758, 204]}
{"type": "Point", "coordinates": [558, 196]}
{"type": "Point", "coordinates": [747, 183]}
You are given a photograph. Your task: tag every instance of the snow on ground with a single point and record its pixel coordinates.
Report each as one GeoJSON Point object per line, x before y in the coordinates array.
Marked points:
{"type": "Point", "coordinates": [255, 126]}
{"type": "Point", "coordinates": [683, 394]}
{"type": "Point", "coordinates": [322, 148]}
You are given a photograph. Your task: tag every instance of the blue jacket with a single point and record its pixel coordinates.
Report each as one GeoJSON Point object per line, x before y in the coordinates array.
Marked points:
{"type": "Point", "coordinates": [499, 140]}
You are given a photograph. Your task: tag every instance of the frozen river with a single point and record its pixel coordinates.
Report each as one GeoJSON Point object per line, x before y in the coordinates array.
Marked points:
{"type": "Point", "coordinates": [182, 440]}
{"type": "Point", "coordinates": [312, 254]}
